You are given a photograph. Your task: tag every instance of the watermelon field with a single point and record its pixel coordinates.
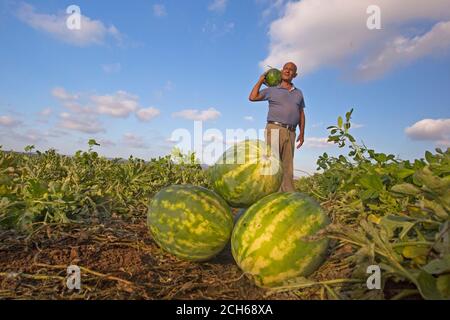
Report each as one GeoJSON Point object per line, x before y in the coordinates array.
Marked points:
{"type": "Point", "coordinates": [111, 217]}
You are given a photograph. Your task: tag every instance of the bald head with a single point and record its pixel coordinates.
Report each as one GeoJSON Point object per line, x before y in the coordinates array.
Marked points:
{"type": "Point", "coordinates": [291, 65]}
{"type": "Point", "coordinates": [289, 72]}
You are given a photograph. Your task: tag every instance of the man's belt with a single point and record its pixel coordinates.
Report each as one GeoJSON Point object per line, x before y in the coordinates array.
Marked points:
{"type": "Point", "coordinates": [287, 126]}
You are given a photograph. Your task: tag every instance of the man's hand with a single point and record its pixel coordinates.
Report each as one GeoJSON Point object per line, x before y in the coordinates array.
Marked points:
{"type": "Point", "coordinates": [255, 95]}
{"type": "Point", "coordinates": [300, 141]}
{"type": "Point", "coordinates": [262, 78]}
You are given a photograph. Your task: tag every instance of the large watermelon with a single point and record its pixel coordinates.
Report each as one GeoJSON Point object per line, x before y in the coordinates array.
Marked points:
{"type": "Point", "coordinates": [273, 77]}
{"type": "Point", "coordinates": [268, 241]}
{"type": "Point", "coordinates": [245, 173]}
{"type": "Point", "coordinates": [190, 222]}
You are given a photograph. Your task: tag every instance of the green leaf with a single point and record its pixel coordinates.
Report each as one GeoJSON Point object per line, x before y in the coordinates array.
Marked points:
{"type": "Point", "coordinates": [348, 115]}
{"type": "Point", "coordinates": [29, 148]}
{"type": "Point", "coordinates": [427, 178]}
{"type": "Point", "coordinates": [443, 285]}
{"type": "Point", "coordinates": [406, 188]}
{"type": "Point", "coordinates": [412, 252]}
{"type": "Point", "coordinates": [340, 122]}
{"type": "Point", "coordinates": [428, 287]}
{"type": "Point", "coordinates": [443, 238]}
{"type": "Point", "coordinates": [438, 266]}
{"type": "Point", "coordinates": [372, 182]}
{"type": "Point", "coordinates": [333, 139]}
{"type": "Point", "coordinates": [404, 173]}
{"type": "Point", "coordinates": [429, 157]}
{"type": "Point", "coordinates": [92, 142]}
{"type": "Point", "coordinates": [392, 222]}
{"type": "Point", "coordinates": [380, 157]}
{"type": "Point", "coordinates": [435, 208]}
{"type": "Point", "coordinates": [350, 137]}
{"type": "Point", "coordinates": [368, 194]}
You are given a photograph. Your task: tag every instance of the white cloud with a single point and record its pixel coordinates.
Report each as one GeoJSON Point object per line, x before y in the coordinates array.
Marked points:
{"type": "Point", "coordinates": [437, 130]}
{"type": "Point", "coordinates": [46, 112]}
{"type": "Point", "coordinates": [147, 114]}
{"type": "Point", "coordinates": [91, 32]}
{"type": "Point", "coordinates": [106, 142]}
{"type": "Point", "coordinates": [8, 121]}
{"type": "Point", "coordinates": [119, 105]}
{"type": "Point", "coordinates": [44, 115]}
{"type": "Point", "coordinates": [159, 10]}
{"type": "Point", "coordinates": [71, 101]}
{"type": "Point", "coordinates": [62, 94]}
{"type": "Point", "coordinates": [168, 86]}
{"type": "Point", "coordinates": [32, 136]}
{"type": "Point", "coordinates": [112, 68]}
{"type": "Point", "coordinates": [316, 142]}
{"type": "Point", "coordinates": [248, 118]}
{"type": "Point", "coordinates": [29, 137]}
{"type": "Point", "coordinates": [218, 6]}
{"type": "Point", "coordinates": [171, 140]}
{"type": "Point", "coordinates": [80, 123]}
{"type": "Point", "coordinates": [198, 115]}
{"type": "Point", "coordinates": [78, 108]}
{"type": "Point", "coordinates": [274, 7]}
{"type": "Point", "coordinates": [402, 50]}
{"type": "Point", "coordinates": [55, 133]}
{"type": "Point", "coordinates": [216, 30]}
{"type": "Point", "coordinates": [319, 33]}
{"type": "Point", "coordinates": [134, 141]}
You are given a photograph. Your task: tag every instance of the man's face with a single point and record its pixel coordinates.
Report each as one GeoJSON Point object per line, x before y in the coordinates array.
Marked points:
{"type": "Point", "coordinates": [289, 72]}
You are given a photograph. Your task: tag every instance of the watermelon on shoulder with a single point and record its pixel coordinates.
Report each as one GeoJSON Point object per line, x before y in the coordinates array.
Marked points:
{"type": "Point", "coordinates": [272, 240]}
{"type": "Point", "coordinates": [190, 222]}
{"type": "Point", "coordinates": [273, 77]}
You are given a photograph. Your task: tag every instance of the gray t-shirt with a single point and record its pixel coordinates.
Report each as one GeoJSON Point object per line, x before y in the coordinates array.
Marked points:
{"type": "Point", "coordinates": [284, 104]}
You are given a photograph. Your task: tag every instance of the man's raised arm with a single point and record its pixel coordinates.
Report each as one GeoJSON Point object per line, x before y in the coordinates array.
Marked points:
{"type": "Point", "coordinates": [255, 95]}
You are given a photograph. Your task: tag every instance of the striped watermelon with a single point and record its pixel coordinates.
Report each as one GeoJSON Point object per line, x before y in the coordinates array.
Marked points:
{"type": "Point", "coordinates": [269, 243]}
{"type": "Point", "coordinates": [190, 222]}
{"type": "Point", "coordinates": [245, 173]}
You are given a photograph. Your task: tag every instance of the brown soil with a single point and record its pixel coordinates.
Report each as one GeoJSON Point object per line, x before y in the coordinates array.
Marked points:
{"type": "Point", "coordinates": [118, 260]}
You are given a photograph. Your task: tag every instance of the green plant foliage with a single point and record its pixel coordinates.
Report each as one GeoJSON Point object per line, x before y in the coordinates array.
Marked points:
{"type": "Point", "coordinates": [395, 213]}
{"type": "Point", "coordinates": [46, 187]}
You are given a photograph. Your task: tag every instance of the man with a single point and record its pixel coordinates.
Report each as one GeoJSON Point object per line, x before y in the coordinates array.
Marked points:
{"type": "Point", "coordinates": [286, 111]}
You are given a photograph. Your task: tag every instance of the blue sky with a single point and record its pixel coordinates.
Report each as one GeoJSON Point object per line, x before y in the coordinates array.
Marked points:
{"type": "Point", "coordinates": [138, 70]}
